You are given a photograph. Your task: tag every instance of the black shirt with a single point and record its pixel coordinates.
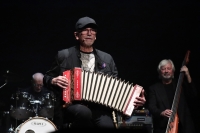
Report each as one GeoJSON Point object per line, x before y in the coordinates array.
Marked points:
{"type": "Point", "coordinates": [170, 91]}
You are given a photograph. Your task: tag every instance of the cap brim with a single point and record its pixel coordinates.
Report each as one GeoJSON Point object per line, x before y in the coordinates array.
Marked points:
{"type": "Point", "coordinates": [90, 25]}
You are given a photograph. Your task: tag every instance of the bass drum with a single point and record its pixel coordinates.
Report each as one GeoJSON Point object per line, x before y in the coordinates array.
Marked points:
{"type": "Point", "coordinates": [36, 125]}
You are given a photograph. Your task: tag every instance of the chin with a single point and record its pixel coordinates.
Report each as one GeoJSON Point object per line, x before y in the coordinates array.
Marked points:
{"type": "Point", "coordinates": [167, 78]}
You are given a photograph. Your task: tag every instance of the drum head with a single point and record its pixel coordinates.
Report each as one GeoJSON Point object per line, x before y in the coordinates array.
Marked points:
{"type": "Point", "coordinates": [36, 125]}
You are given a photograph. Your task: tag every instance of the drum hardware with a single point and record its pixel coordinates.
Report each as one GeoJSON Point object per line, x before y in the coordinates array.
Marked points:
{"type": "Point", "coordinates": [8, 124]}
{"type": "Point", "coordinates": [6, 81]}
{"type": "Point", "coordinates": [36, 107]}
{"type": "Point", "coordinates": [5, 112]}
{"type": "Point", "coordinates": [11, 130]}
{"type": "Point", "coordinates": [3, 85]}
{"type": "Point", "coordinates": [24, 106]}
{"type": "Point", "coordinates": [11, 77]}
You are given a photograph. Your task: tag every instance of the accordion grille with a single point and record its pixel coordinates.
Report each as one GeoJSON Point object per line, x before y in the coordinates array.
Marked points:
{"type": "Point", "coordinates": [105, 90]}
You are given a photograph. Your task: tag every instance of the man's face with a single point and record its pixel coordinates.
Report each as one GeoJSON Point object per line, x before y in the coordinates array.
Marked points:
{"type": "Point", "coordinates": [37, 85]}
{"type": "Point", "coordinates": [86, 37]}
{"type": "Point", "coordinates": [166, 71]}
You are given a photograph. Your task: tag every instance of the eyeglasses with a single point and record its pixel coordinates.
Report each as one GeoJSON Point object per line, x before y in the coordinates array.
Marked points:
{"type": "Point", "coordinates": [86, 31]}
{"type": "Point", "coordinates": [38, 85]}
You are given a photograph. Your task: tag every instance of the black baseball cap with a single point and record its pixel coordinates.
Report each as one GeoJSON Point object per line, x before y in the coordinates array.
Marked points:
{"type": "Point", "coordinates": [85, 21]}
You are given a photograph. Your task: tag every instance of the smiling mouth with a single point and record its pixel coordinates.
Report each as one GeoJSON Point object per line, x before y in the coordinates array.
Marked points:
{"type": "Point", "coordinates": [88, 38]}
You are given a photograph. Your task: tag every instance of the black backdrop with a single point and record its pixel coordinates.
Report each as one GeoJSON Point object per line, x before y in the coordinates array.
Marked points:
{"type": "Point", "coordinates": [138, 34]}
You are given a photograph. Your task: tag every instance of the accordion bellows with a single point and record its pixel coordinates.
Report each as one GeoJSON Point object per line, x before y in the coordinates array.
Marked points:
{"type": "Point", "coordinates": [101, 89]}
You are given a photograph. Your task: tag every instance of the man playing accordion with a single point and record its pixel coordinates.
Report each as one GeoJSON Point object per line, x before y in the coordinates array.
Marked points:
{"type": "Point", "coordinates": [83, 114]}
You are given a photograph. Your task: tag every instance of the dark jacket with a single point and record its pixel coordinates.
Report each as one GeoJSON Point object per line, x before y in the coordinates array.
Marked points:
{"type": "Point", "coordinates": [158, 102]}
{"type": "Point", "coordinates": [67, 59]}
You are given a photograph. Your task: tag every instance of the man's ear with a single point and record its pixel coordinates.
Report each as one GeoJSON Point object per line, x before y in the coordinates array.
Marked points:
{"type": "Point", "coordinates": [76, 35]}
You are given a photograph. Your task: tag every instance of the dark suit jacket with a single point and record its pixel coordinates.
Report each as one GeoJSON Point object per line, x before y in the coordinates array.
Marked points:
{"type": "Point", "coordinates": [67, 59]}
{"type": "Point", "coordinates": [158, 102]}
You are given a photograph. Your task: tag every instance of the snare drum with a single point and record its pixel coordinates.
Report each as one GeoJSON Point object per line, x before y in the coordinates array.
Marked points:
{"type": "Point", "coordinates": [36, 125]}
{"type": "Point", "coordinates": [21, 108]}
{"type": "Point", "coordinates": [47, 106]}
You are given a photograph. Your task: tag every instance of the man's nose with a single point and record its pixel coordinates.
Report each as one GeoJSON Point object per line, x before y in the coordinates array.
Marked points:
{"type": "Point", "coordinates": [89, 32]}
{"type": "Point", "coordinates": [39, 87]}
{"type": "Point", "coordinates": [166, 70]}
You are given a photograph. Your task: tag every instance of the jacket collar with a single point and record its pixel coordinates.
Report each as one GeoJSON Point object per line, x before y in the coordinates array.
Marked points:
{"type": "Point", "coordinates": [98, 61]}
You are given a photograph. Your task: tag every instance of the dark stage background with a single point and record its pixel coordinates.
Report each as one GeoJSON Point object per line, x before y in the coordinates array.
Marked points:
{"type": "Point", "coordinates": [138, 34]}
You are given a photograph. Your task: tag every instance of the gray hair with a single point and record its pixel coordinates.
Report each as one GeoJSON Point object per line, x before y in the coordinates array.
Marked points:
{"type": "Point", "coordinates": [163, 63]}
{"type": "Point", "coordinates": [37, 75]}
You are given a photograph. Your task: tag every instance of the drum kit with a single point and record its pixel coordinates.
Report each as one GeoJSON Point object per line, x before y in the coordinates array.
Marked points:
{"type": "Point", "coordinates": [35, 116]}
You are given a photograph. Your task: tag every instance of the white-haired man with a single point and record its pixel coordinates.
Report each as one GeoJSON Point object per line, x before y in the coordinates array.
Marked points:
{"type": "Point", "coordinates": [161, 96]}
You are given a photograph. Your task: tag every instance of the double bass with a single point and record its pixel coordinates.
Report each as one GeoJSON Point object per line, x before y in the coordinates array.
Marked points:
{"type": "Point", "coordinates": [172, 125]}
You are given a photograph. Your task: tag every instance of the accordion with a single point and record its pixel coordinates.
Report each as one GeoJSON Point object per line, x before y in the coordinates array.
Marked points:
{"type": "Point", "coordinates": [101, 89]}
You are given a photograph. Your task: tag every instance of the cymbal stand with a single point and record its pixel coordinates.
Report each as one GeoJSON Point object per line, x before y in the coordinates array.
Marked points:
{"type": "Point", "coordinates": [11, 130]}
{"type": "Point", "coordinates": [9, 126]}
{"type": "Point", "coordinates": [3, 85]}
{"type": "Point", "coordinates": [5, 81]}
{"type": "Point", "coordinates": [35, 102]}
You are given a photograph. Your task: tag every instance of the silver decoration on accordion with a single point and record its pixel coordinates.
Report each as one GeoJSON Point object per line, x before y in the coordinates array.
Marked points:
{"type": "Point", "coordinates": [101, 89]}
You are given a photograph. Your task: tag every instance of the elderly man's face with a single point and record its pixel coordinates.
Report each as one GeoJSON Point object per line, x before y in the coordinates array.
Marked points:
{"type": "Point", "coordinates": [166, 71]}
{"type": "Point", "coordinates": [38, 84]}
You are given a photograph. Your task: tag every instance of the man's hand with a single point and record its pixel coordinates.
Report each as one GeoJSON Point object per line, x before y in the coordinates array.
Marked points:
{"type": "Point", "coordinates": [187, 74]}
{"type": "Point", "coordinates": [140, 101]}
{"type": "Point", "coordinates": [166, 113]}
{"type": "Point", "coordinates": [185, 69]}
{"type": "Point", "coordinates": [60, 81]}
